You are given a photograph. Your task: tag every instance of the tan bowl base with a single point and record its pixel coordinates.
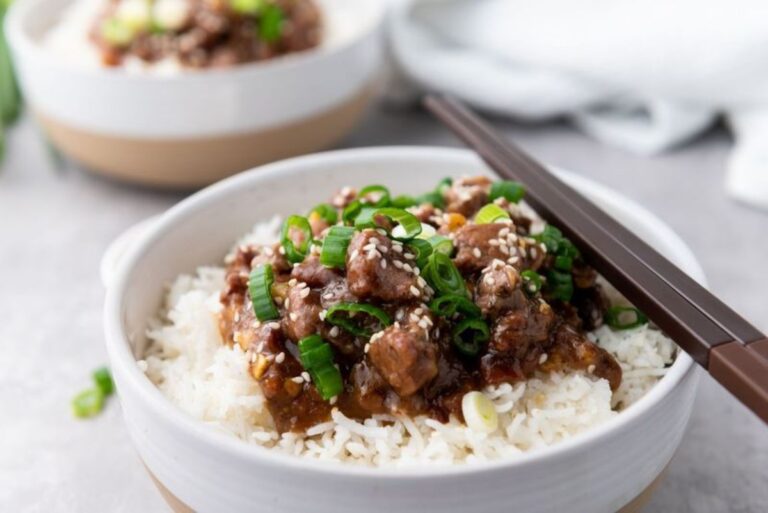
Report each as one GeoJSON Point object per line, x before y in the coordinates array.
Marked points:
{"type": "Point", "coordinates": [191, 163]}
{"type": "Point", "coordinates": [634, 506]}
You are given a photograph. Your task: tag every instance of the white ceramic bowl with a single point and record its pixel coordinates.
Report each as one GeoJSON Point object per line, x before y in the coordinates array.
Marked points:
{"type": "Point", "coordinates": [195, 127]}
{"type": "Point", "coordinates": [597, 472]}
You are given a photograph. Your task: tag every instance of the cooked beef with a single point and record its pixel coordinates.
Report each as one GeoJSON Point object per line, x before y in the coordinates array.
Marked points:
{"type": "Point", "coordinates": [499, 289]}
{"type": "Point", "coordinates": [467, 195]}
{"type": "Point", "coordinates": [378, 270]}
{"type": "Point", "coordinates": [517, 330]}
{"type": "Point", "coordinates": [302, 312]}
{"type": "Point", "coordinates": [405, 355]}
{"type": "Point", "coordinates": [477, 245]}
{"type": "Point", "coordinates": [572, 349]}
{"type": "Point", "coordinates": [315, 274]}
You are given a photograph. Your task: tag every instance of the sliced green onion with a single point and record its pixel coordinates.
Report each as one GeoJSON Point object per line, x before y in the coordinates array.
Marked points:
{"type": "Point", "coordinates": [411, 226]}
{"type": "Point", "coordinates": [507, 189]}
{"type": "Point", "coordinates": [490, 214]}
{"type": "Point", "coordinates": [326, 212]}
{"type": "Point", "coordinates": [403, 202]}
{"type": "Point", "coordinates": [469, 336]}
{"type": "Point", "coordinates": [551, 237]}
{"type": "Point", "coordinates": [421, 249]}
{"type": "Point", "coordinates": [624, 317]}
{"type": "Point", "coordinates": [443, 276]}
{"type": "Point", "coordinates": [271, 23]}
{"type": "Point", "coordinates": [103, 379]}
{"type": "Point", "coordinates": [116, 33]}
{"type": "Point", "coordinates": [314, 352]}
{"type": "Point", "coordinates": [448, 305]}
{"type": "Point", "coordinates": [260, 289]}
{"type": "Point", "coordinates": [316, 356]}
{"type": "Point", "coordinates": [443, 185]}
{"type": "Point", "coordinates": [365, 218]}
{"type": "Point", "coordinates": [350, 212]}
{"type": "Point", "coordinates": [88, 403]}
{"type": "Point", "coordinates": [531, 281]}
{"type": "Point", "coordinates": [427, 231]}
{"type": "Point", "coordinates": [563, 262]}
{"type": "Point", "coordinates": [293, 252]}
{"type": "Point", "coordinates": [335, 244]}
{"type": "Point", "coordinates": [441, 244]}
{"type": "Point", "coordinates": [342, 315]}
{"type": "Point", "coordinates": [309, 343]}
{"type": "Point", "coordinates": [383, 200]}
{"type": "Point", "coordinates": [249, 7]}
{"type": "Point", "coordinates": [560, 285]}
{"type": "Point", "coordinates": [434, 197]}
{"type": "Point", "coordinates": [328, 381]}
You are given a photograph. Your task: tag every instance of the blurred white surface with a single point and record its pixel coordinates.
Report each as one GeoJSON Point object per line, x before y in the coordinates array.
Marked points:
{"type": "Point", "coordinates": [639, 75]}
{"type": "Point", "coordinates": [55, 225]}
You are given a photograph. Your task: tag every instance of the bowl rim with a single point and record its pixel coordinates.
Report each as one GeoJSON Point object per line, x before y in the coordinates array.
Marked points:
{"type": "Point", "coordinates": [124, 362]}
{"type": "Point", "coordinates": [23, 44]}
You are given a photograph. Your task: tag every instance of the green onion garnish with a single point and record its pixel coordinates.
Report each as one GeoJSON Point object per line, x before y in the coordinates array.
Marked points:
{"type": "Point", "coordinates": [490, 214]}
{"type": "Point", "coordinates": [443, 276]}
{"type": "Point", "coordinates": [260, 290]}
{"type": "Point", "coordinates": [316, 356]}
{"type": "Point", "coordinates": [342, 315]}
{"type": "Point", "coordinates": [335, 244]}
{"type": "Point", "coordinates": [441, 244]}
{"type": "Point", "coordinates": [328, 381]}
{"type": "Point", "coordinates": [293, 252]}
{"type": "Point", "coordinates": [448, 305]}
{"type": "Point", "coordinates": [563, 262]}
{"type": "Point", "coordinates": [551, 237]}
{"type": "Point", "coordinates": [403, 202]}
{"type": "Point", "coordinates": [382, 191]}
{"type": "Point", "coordinates": [469, 336]}
{"type": "Point", "coordinates": [507, 189]}
{"type": "Point", "coordinates": [560, 285]}
{"type": "Point", "coordinates": [408, 226]}
{"type": "Point", "coordinates": [434, 197]}
{"type": "Point", "coordinates": [421, 249]}
{"type": "Point", "coordinates": [365, 218]}
{"type": "Point", "coordinates": [443, 185]}
{"type": "Point", "coordinates": [531, 281]}
{"type": "Point", "coordinates": [271, 23]}
{"type": "Point", "coordinates": [624, 317]}
{"type": "Point", "coordinates": [103, 379]}
{"type": "Point", "coordinates": [326, 212]}
{"type": "Point", "coordinates": [249, 7]}
{"type": "Point", "coordinates": [350, 212]}
{"type": "Point", "coordinates": [88, 403]}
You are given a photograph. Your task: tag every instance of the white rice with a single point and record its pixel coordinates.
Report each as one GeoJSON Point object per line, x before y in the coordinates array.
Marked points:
{"type": "Point", "coordinates": [189, 363]}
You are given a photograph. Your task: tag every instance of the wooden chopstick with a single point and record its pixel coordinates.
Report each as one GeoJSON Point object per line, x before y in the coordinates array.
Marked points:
{"type": "Point", "coordinates": [713, 334]}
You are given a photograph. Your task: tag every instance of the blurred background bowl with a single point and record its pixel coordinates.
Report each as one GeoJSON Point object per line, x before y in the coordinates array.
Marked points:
{"type": "Point", "coordinates": [195, 127]}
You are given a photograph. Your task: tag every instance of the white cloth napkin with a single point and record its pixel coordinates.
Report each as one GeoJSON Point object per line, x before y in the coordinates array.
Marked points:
{"type": "Point", "coordinates": [641, 75]}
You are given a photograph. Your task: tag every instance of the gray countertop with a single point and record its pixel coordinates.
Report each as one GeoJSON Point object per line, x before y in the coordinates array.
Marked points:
{"type": "Point", "coordinates": [55, 224]}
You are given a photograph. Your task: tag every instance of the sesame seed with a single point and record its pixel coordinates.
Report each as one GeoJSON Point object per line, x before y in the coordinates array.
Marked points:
{"type": "Point", "coordinates": [419, 311]}
{"type": "Point", "coordinates": [398, 248]}
{"type": "Point", "coordinates": [416, 292]}
{"type": "Point", "coordinates": [381, 231]}
{"type": "Point", "coordinates": [280, 358]}
{"type": "Point", "coordinates": [423, 324]}
{"type": "Point", "coordinates": [421, 281]}
{"type": "Point", "coordinates": [322, 314]}
{"type": "Point", "coordinates": [503, 232]}
{"type": "Point", "coordinates": [477, 253]}
{"type": "Point", "coordinates": [328, 295]}
{"type": "Point", "coordinates": [383, 264]}
{"type": "Point", "coordinates": [591, 369]}
{"type": "Point", "coordinates": [294, 316]}
{"type": "Point", "coordinates": [414, 317]}
{"type": "Point", "coordinates": [306, 376]}
{"type": "Point", "coordinates": [274, 325]}
{"type": "Point", "coordinates": [292, 282]}
{"type": "Point", "coordinates": [237, 316]}
{"type": "Point", "coordinates": [374, 241]}
{"type": "Point", "coordinates": [334, 399]}
{"type": "Point", "coordinates": [489, 280]}
{"type": "Point", "coordinates": [367, 348]}
{"type": "Point", "coordinates": [354, 254]}
{"type": "Point", "coordinates": [543, 358]}
{"type": "Point", "coordinates": [409, 256]}
{"type": "Point", "coordinates": [287, 302]}
{"type": "Point", "coordinates": [504, 249]}
{"type": "Point", "coordinates": [493, 242]}
{"type": "Point", "coordinates": [297, 379]}
{"type": "Point", "coordinates": [304, 293]}
{"type": "Point", "coordinates": [334, 332]}
{"type": "Point", "coordinates": [281, 250]}
{"type": "Point", "coordinates": [407, 267]}
{"type": "Point", "coordinates": [398, 264]}
{"type": "Point", "coordinates": [382, 248]}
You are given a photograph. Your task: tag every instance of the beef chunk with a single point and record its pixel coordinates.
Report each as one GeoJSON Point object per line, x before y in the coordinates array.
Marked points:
{"type": "Point", "coordinates": [313, 273]}
{"type": "Point", "coordinates": [499, 289]}
{"type": "Point", "coordinates": [467, 195]}
{"type": "Point", "coordinates": [302, 312]}
{"type": "Point", "coordinates": [515, 332]}
{"type": "Point", "coordinates": [405, 357]}
{"type": "Point", "coordinates": [477, 245]}
{"type": "Point", "coordinates": [572, 349]}
{"type": "Point", "coordinates": [377, 270]}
